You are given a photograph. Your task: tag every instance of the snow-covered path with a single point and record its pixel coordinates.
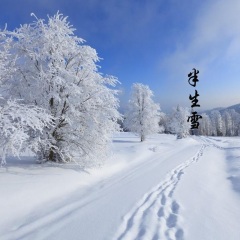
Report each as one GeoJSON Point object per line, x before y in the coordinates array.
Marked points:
{"type": "Point", "coordinates": [209, 192]}
{"type": "Point", "coordinates": [161, 189]}
{"type": "Point", "coordinates": [210, 207]}
{"type": "Point", "coordinates": [156, 215]}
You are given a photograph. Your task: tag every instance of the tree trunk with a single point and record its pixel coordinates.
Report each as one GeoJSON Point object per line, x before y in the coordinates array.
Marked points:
{"type": "Point", "coordinates": [51, 155]}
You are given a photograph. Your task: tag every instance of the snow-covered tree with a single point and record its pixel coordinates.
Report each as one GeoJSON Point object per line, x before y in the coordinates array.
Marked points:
{"type": "Point", "coordinates": [228, 123]}
{"type": "Point", "coordinates": [217, 123]}
{"type": "Point", "coordinates": [166, 122]}
{"type": "Point", "coordinates": [205, 127]}
{"type": "Point", "coordinates": [143, 114]}
{"type": "Point", "coordinates": [20, 127]}
{"type": "Point", "coordinates": [19, 123]}
{"type": "Point", "coordinates": [56, 71]}
{"type": "Point", "coordinates": [163, 121]}
{"type": "Point", "coordinates": [235, 121]}
{"type": "Point", "coordinates": [178, 122]}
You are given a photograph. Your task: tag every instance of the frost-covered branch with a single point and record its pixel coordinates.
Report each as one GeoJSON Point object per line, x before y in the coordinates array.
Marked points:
{"type": "Point", "coordinates": [21, 126]}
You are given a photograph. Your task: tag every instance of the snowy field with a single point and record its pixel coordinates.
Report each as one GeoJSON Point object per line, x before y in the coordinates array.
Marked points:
{"type": "Point", "coordinates": [162, 188]}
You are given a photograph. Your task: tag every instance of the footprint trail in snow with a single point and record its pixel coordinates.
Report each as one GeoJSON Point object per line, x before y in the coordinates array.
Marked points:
{"type": "Point", "coordinates": [156, 216]}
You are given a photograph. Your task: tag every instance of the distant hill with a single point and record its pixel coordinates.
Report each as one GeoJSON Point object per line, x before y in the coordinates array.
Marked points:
{"type": "Point", "coordinates": [221, 109]}
{"type": "Point", "coordinates": [235, 107]}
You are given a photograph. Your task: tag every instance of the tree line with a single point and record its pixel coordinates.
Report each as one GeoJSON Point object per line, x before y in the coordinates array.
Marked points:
{"type": "Point", "coordinates": [144, 117]}
{"type": "Point", "coordinates": [220, 123]}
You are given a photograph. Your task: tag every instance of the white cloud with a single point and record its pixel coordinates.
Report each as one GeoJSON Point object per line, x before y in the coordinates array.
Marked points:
{"type": "Point", "coordinates": [214, 35]}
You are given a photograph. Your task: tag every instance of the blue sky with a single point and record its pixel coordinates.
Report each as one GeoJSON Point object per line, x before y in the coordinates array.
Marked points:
{"type": "Point", "coordinates": [155, 42]}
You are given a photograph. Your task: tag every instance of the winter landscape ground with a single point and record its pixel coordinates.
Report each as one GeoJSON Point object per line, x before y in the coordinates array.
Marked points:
{"type": "Point", "coordinates": [162, 188]}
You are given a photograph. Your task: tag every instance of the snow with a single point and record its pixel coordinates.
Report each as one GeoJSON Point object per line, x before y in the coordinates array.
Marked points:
{"type": "Point", "coordinates": [162, 188]}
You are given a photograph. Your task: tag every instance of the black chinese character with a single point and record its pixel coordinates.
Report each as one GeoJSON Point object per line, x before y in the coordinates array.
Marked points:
{"type": "Point", "coordinates": [194, 99]}
{"type": "Point", "coordinates": [193, 78]}
{"type": "Point", "coordinates": [194, 120]}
